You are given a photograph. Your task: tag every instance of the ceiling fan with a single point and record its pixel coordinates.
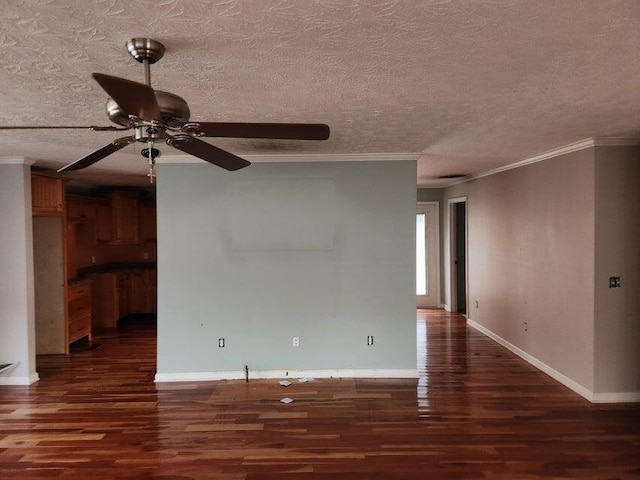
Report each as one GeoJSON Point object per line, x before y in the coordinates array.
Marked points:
{"type": "Point", "coordinates": [154, 115]}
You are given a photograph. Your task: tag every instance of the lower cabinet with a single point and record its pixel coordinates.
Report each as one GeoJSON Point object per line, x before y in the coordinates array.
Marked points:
{"type": "Point", "coordinates": [118, 294]}
{"type": "Point", "coordinates": [138, 292]}
{"type": "Point", "coordinates": [79, 311]}
{"type": "Point", "coordinates": [106, 308]}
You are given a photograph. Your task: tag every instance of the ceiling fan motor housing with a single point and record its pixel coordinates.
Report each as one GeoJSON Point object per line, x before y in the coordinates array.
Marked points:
{"type": "Point", "coordinates": [175, 111]}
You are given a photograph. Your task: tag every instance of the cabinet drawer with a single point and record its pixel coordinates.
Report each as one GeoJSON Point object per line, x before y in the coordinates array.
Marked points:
{"type": "Point", "coordinates": [79, 308]}
{"type": "Point", "coordinates": [79, 291]}
{"type": "Point", "coordinates": [79, 328]}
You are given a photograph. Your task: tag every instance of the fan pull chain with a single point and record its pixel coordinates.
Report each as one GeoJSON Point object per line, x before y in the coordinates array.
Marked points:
{"type": "Point", "coordinates": [152, 164]}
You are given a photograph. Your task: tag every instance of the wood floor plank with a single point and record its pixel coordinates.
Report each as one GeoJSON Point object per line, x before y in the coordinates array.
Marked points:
{"type": "Point", "coordinates": [476, 412]}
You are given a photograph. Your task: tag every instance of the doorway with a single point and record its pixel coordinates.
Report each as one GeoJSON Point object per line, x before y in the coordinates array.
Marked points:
{"type": "Point", "coordinates": [458, 254]}
{"type": "Point", "coordinates": [427, 255]}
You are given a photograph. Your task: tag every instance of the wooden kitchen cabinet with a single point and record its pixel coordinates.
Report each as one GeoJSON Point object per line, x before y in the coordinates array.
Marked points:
{"type": "Point", "coordinates": [138, 292]}
{"type": "Point", "coordinates": [125, 217]}
{"type": "Point", "coordinates": [119, 219]}
{"type": "Point", "coordinates": [118, 294]}
{"type": "Point", "coordinates": [81, 208]}
{"type": "Point", "coordinates": [47, 195]}
{"type": "Point", "coordinates": [82, 217]}
{"type": "Point", "coordinates": [123, 282]}
{"type": "Point", "coordinates": [103, 223]}
{"type": "Point", "coordinates": [152, 290]}
{"type": "Point", "coordinates": [106, 305]}
{"type": "Point", "coordinates": [148, 221]}
{"type": "Point", "coordinates": [79, 309]}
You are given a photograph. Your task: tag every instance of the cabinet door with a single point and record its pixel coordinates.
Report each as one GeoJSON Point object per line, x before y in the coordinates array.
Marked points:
{"type": "Point", "coordinates": [103, 221]}
{"type": "Point", "coordinates": [124, 300]}
{"type": "Point", "coordinates": [125, 218]}
{"type": "Point", "coordinates": [152, 289]}
{"type": "Point", "coordinates": [47, 195]}
{"type": "Point", "coordinates": [74, 208]}
{"type": "Point", "coordinates": [138, 292]}
{"type": "Point", "coordinates": [105, 302]}
{"type": "Point", "coordinates": [148, 220]}
{"type": "Point", "coordinates": [81, 215]}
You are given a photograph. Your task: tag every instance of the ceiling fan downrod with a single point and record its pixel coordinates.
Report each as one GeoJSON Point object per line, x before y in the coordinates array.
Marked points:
{"type": "Point", "coordinates": [146, 51]}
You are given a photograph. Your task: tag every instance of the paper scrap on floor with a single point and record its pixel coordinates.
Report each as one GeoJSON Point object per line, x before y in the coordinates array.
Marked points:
{"type": "Point", "coordinates": [287, 400]}
{"type": "Point", "coordinates": [285, 383]}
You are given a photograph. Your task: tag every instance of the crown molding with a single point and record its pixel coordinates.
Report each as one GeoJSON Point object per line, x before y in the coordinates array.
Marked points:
{"type": "Point", "coordinates": [616, 141]}
{"type": "Point", "coordinates": [16, 161]}
{"type": "Point", "coordinates": [316, 157]}
{"type": "Point", "coordinates": [556, 152]}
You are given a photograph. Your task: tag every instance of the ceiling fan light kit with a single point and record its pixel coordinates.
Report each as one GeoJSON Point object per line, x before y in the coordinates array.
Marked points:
{"type": "Point", "coordinates": [154, 115]}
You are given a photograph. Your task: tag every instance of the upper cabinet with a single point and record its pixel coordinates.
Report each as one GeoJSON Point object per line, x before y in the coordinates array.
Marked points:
{"type": "Point", "coordinates": [47, 195]}
{"type": "Point", "coordinates": [81, 209]}
{"type": "Point", "coordinates": [103, 223]}
{"type": "Point", "coordinates": [114, 218]}
{"type": "Point", "coordinates": [125, 217]}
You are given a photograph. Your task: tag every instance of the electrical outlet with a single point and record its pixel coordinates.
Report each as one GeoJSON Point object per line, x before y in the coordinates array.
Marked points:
{"type": "Point", "coordinates": [614, 282]}
{"type": "Point", "coordinates": [369, 340]}
{"type": "Point", "coordinates": [476, 303]}
{"type": "Point", "coordinates": [525, 325]}
{"type": "Point", "coordinates": [295, 341]}
{"type": "Point", "coordinates": [93, 259]}
{"type": "Point", "coordinates": [145, 255]}
{"type": "Point", "coordinates": [221, 342]}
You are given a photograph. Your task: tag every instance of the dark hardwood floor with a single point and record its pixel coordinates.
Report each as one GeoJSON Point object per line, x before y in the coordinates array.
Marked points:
{"type": "Point", "coordinates": [477, 412]}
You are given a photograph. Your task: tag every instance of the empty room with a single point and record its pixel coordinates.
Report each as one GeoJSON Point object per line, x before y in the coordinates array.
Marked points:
{"type": "Point", "coordinates": [296, 239]}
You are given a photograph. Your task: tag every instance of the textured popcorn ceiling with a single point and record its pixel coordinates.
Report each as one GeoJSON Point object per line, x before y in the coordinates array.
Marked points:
{"type": "Point", "coordinates": [465, 85]}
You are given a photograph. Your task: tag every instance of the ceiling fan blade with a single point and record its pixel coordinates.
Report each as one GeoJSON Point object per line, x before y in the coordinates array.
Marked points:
{"type": "Point", "coordinates": [134, 98]}
{"type": "Point", "coordinates": [99, 154]}
{"type": "Point", "coordinates": [207, 152]}
{"type": "Point", "coordinates": [283, 131]}
{"type": "Point", "coordinates": [65, 127]}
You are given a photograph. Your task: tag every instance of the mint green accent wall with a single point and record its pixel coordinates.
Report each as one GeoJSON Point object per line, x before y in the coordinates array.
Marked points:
{"type": "Point", "coordinates": [259, 292]}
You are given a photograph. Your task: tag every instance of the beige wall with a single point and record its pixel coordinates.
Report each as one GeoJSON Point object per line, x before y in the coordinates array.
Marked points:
{"type": "Point", "coordinates": [530, 259]}
{"type": "Point", "coordinates": [617, 244]}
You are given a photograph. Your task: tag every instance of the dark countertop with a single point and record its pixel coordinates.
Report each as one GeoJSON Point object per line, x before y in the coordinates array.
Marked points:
{"type": "Point", "coordinates": [115, 267]}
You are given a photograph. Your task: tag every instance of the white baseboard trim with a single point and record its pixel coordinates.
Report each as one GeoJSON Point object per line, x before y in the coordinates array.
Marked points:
{"type": "Point", "coordinates": [265, 374]}
{"type": "Point", "coordinates": [616, 397]}
{"type": "Point", "coordinates": [566, 381]}
{"type": "Point", "coordinates": [31, 379]}
{"type": "Point", "coordinates": [604, 397]}
{"type": "Point", "coordinates": [446, 307]}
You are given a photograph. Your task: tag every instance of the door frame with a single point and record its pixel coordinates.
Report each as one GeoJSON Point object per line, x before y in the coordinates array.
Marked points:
{"type": "Point", "coordinates": [451, 228]}
{"type": "Point", "coordinates": [437, 246]}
